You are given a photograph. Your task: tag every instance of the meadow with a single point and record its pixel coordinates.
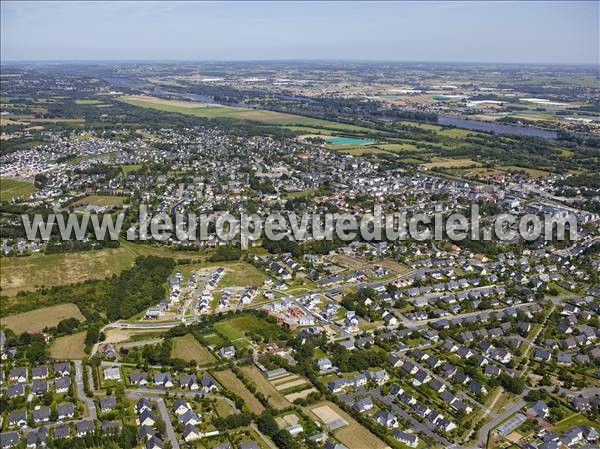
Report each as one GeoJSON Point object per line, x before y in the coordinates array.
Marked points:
{"type": "Point", "coordinates": [189, 349]}
{"type": "Point", "coordinates": [69, 347]}
{"type": "Point", "coordinates": [100, 200]}
{"type": "Point", "coordinates": [12, 188]}
{"type": "Point", "coordinates": [35, 320]}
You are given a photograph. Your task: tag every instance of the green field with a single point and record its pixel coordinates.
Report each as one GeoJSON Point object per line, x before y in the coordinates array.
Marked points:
{"type": "Point", "coordinates": [189, 349]}
{"type": "Point", "coordinates": [100, 200]}
{"type": "Point", "coordinates": [95, 102]}
{"type": "Point", "coordinates": [11, 188]}
{"type": "Point", "coordinates": [235, 329]}
{"type": "Point", "coordinates": [126, 169]}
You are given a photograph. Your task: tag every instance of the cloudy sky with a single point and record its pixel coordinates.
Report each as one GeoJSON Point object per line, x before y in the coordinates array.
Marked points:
{"type": "Point", "coordinates": [547, 32]}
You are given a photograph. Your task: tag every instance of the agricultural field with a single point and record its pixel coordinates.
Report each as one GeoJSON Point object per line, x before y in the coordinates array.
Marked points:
{"type": "Point", "coordinates": [189, 349]}
{"type": "Point", "coordinates": [353, 435]}
{"type": "Point", "coordinates": [35, 320]}
{"type": "Point", "coordinates": [275, 398]}
{"type": "Point", "coordinates": [69, 347]}
{"type": "Point", "coordinates": [231, 382]}
{"type": "Point", "coordinates": [12, 188]}
{"type": "Point", "coordinates": [348, 262]}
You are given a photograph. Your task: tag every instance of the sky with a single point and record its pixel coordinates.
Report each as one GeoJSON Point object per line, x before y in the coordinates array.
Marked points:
{"type": "Point", "coordinates": [520, 32]}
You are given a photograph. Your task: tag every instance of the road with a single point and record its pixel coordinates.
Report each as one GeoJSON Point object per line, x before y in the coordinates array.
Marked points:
{"type": "Point", "coordinates": [80, 390]}
{"type": "Point", "coordinates": [164, 414]}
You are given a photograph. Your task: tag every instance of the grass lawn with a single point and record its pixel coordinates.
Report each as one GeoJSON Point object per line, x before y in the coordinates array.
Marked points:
{"type": "Point", "coordinates": [88, 102]}
{"type": "Point", "coordinates": [533, 172]}
{"type": "Point", "coordinates": [449, 163]}
{"type": "Point", "coordinates": [235, 328]}
{"type": "Point", "coordinates": [574, 420]}
{"type": "Point", "coordinates": [100, 200]}
{"type": "Point", "coordinates": [230, 381]}
{"type": "Point", "coordinates": [188, 349]}
{"type": "Point", "coordinates": [12, 188]}
{"type": "Point", "coordinates": [275, 398]}
{"type": "Point", "coordinates": [36, 320]}
{"type": "Point", "coordinates": [127, 168]}
{"type": "Point", "coordinates": [69, 347]}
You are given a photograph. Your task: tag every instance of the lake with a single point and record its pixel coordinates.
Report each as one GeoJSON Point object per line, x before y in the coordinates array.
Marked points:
{"type": "Point", "coordinates": [498, 128]}
{"type": "Point", "coordinates": [341, 140]}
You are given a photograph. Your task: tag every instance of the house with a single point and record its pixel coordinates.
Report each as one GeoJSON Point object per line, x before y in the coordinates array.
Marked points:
{"type": "Point", "coordinates": [37, 437]}
{"type": "Point", "coordinates": [408, 439]}
{"type": "Point", "coordinates": [189, 417]}
{"type": "Point", "coordinates": [142, 405]}
{"type": "Point", "coordinates": [39, 372]}
{"type": "Point", "coordinates": [227, 352]}
{"type": "Point", "coordinates": [249, 445]}
{"type": "Point", "coordinates": [191, 433]}
{"type": "Point", "coordinates": [112, 373]}
{"type": "Point", "coordinates": [541, 355]}
{"type": "Point", "coordinates": [9, 439]}
{"type": "Point", "coordinates": [208, 384]}
{"type": "Point", "coordinates": [540, 409]}
{"type": "Point", "coordinates": [107, 404]}
{"type": "Point", "coordinates": [62, 384]}
{"type": "Point", "coordinates": [110, 427]}
{"type": "Point", "coordinates": [18, 375]}
{"type": "Point", "coordinates": [386, 419]}
{"type": "Point", "coordinates": [17, 418]}
{"type": "Point", "coordinates": [41, 414]}
{"type": "Point", "coordinates": [139, 379]}
{"type": "Point", "coordinates": [337, 385]}
{"type": "Point", "coordinates": [154, 443]}
{"type": "Point", "coordinates": [62, 369]}
{"type": "Point", "coordinates": [180, 406]}
{"type": "Point", "coordinates": [39, 387]}
{"type": "Point", "coordinates": [12, 391]}
{"type": "Point", "coordinates": [163, 380]}
{"type": "Point", "coordinates": [188, 381]}
{"type": "Point", "coordinates": [84, 427]}
{"type": "Point", "coordinates": [62, 431]}
{"type": "Point", "coordinates": [363, 405]}
{"type": "Point", "coordinates": [65, 410]}
{"type": "Point", "coordinates": [324, 364]}
{"type": "Point", "coordinates": [360, 380]}
{"type": "Point", "coordinates": [146, 418]}
{"type": "Point", "coordinates": [379, 377]}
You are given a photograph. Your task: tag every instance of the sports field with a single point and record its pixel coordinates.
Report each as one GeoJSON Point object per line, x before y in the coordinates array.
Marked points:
{"type": "Point", "coordinates": [230, 381]}
{"type": "Point", "coordinates": [69, 347]}
{"type": "Point", "coordinates": [36, 320]}
{"type": "Point", "coordinates": [12, 188]}
{"type": "Point", "coordinates": [189, 349]}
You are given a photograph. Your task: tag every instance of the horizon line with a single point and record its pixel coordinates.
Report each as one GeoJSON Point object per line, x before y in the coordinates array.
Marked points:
{"type": "Point", "coordinates": [268, 60]}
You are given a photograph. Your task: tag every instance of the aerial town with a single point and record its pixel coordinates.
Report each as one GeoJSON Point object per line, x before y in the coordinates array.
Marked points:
{"type": "Point", "coordinates": [376, 341]}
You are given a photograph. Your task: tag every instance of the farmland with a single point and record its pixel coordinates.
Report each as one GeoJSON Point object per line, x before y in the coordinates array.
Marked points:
{"type": "Point", "coordinates": [69, 347]}
{"type": "Point", "coordinates": [230, 381]}
{"type": "Point", "coordinates": [189, 349]}
{"type": "Point", "coordinates": [36, 320]}
{"type": "Point", "coordinates": [353, 435]}
{"type": "Point", "coordinates": [275, 398]}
